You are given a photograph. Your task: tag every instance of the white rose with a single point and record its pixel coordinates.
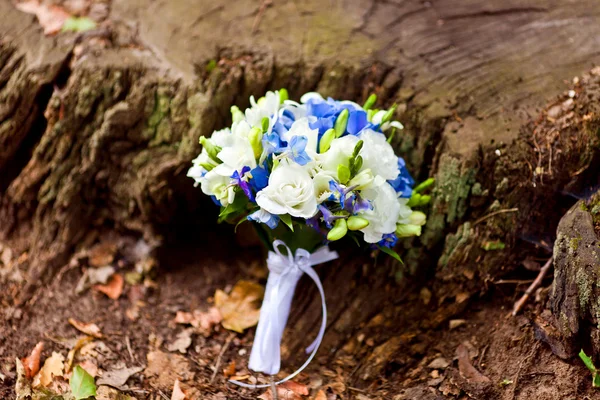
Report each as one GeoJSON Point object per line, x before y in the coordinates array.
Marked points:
{"type": "Point", "coordinates": [290, 191]}
{"type": "Point", "coordinates": [213, 184]}
{"type": "Point", "coordinates": [378, 155]}
{"type": "Point", "coordinates": [338, 154]}
{"type": "Point", "coordinates": [386, 209]}
{"type": "Point", "coordinates": [236, 157]}
{"type": "Point", "coordinates": [301, 128]}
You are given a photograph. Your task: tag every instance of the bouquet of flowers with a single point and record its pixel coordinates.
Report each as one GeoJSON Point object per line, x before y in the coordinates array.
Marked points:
{"type": "Point", "coordinates": [308, 173]}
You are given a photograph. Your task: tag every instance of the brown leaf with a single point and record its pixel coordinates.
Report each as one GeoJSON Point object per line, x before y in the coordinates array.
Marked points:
{"type": "Point", "coordinates": [102, 254]}
{"type": "Point", "coordinates": [468, 371]}
{"type": "Point", "coordinates": [53, 366]}
{"type": "Point", "coordinates": [182, 342]}
{"type": "Point", "coordinates": [202, 321]}
{"type": "Point", "coordinates": [108, 393]}
{"type": "Point", "coordinates": [32, 362]}
{"type": "Point", "coordinates": [230, 370]}
{"type": "Point", "coordinates": [82, 341]}
{"type": "Point", "coordinates": [90, 329]}
{"type": "Point", "coordinates": [320, 395]}
{"type": "Point", "coordinates": [240, 308]}
{"type": "Point", "coordinates": [164, 368]}
{"type": "Point", "coordinates": [118, 377]}
{"type": "Point", "coordinates": [177, 394]}
{"type": "Point", "coordinates": [288, 390]}
{"type": "Point", "coordinates": [50, 17]}
{"type": "Point", "coordinates": [113, 288]}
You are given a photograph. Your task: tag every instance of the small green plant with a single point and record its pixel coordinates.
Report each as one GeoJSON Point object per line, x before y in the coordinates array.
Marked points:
{"type": "Point", "coordinates": [590, 365]}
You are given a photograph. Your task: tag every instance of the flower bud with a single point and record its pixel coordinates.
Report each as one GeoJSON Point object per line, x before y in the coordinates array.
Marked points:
{"type": "Point", "coordinates": [370, 102]}
{"type": "Point", "coordinates": [283, 95]}
{"type": "Point", "coordinates": [417, 218]}
{"type": "Point", "coordinates": [389, 114]}
{"type": "Point", "coordinates": [357, 223]}
{"type": "Point", "coordinates": [264, 124]}
{"type": "Point", "coordinates": [424, 185]}
{"type": "Point", "coordinates": [341, 122]}
{"type": "Point", "coordinates": [326, 140]}
{"type": "Point", "coordinates": [425, 199]}
{"type": "Point", "coordinates": [211, 148]}
{"type": "Point", "coordinates": [407, 230]}
{"type": "Point", "coordinates": [339, 230]}
{"type": "Point", "coordinates": [255, 139]}
{"type": "Point", "coordinates": [362, 179]}
{"type": "Point", "coordinates": [236, 114]}
{"type": "Point", "coordinates": [414, 199]}
{"type": "Point", "coordinates": [343, 174]}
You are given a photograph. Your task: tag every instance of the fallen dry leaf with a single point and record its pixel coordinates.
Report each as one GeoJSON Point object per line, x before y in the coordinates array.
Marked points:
{"type": "Point", "coordinates": [53, 366]}
{"type": "Point", "coordinates": [230, 370]}
{"type": "Point", "coordinates": [164, 368]}
{"type": "Point", "coordinates": [82, 341]}
{"type": "Point", "coordinates": [113, 288]}
{"type": "Point", "coordinates": [32, 362]}
{"type": "Point", "coordinates": [22, 387]}
{"type": "Point", "coordinates": [102, 254]}
{"type": "Point", "coordinates": [117, 378]}
{"type": "Point", "coordinates": [177, 394]}
{"type": "Point", "coordinates": [90, 367]}
{"type": "Point", "coordinates": [320, 395]}
{"type": "Point", "coordinates": [108, 393]}
{"type": "Point", "coordinates": [240, 308]}
{"type": "Point", "coordinates": [89, 329]}
{"type": "Point", "coordinates": [50, 17]}
{"type": "Point", "coordinates": [202, 321]}
{"type": "Point", "coordinates": [288, 390]}
{"type": "Point", "coordinates": [466, 369]}
{"type": "Point", "coordinates": [182, 342]}
{"type": "Point", "coordinates": [100, 275]}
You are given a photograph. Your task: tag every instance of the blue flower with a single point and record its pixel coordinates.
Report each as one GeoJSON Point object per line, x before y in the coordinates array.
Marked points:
{"type": "Point", "coordinates": [339, 191]}
{"type": "Point", "coordinates": [271, 143]}
{"type": "Point", "coordinates": [297, 150]}
{"type": "Point", "coordinates": [328, 217]}
{"type": "Point", "coordinates": [404, 183]}
{"type": "Point", "coordinates": [240, 180]}
{"type": "Point", "coordinates": [264, 217]}
{"type": "Point", "coordinates": [215, 200]}
{"type": "Point", "coordinates": [389, 240]}
{"type": "Point", "coordinates": [322, 124]}
{"type": "Point", "coordinates": [259, 179]}
{"type": "Point", "coordinates": [357, 121]}
{"type": "Point", "coordinates": [361, 204]}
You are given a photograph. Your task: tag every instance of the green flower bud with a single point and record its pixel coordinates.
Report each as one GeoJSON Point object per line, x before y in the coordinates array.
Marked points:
{"type": "Point", "coordinates": [424, 185]}
{"type": "Point", "coordinates": [425, 199]}
{"type": "Point", "coordinates": [414, 200]}
{"type": "Point", "coordinates": [417, 218]}
{"type": "Point", "coordinates": [339, 230]}
{"type": "Point", "coordinates": [264, 123]}
{"type": "Point", "coordinates": [357, 223]}
{"type": "Point", "coordinates": [407, 230]}
{"type": "Point", "coordinates": [370, 102]}
{"type": "Point", "coordinates": [211, 148]}
{"type": "Point", "coordinates": [236, 114]}
{"type": "Point", "coordinates": [343, 174]}
{"type": "Point", "coordinates": [326, 140]}
{"type": "Point", "coordinates": [389, 114]}
{"type": "Point", "coordinates": [370, 114]}
{"type": "Point", "coordinates": [283, 95]}
{"type": "Point", "coordinates": [207, 166]}
{"type": "Point", "coordinates": [255, 139]}
{"type": "Point", "coordinates": [341, 122]}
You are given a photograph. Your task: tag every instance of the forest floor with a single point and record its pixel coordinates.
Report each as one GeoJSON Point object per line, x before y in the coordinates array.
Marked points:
{"type": "Point", "coordinates": [161, 326]}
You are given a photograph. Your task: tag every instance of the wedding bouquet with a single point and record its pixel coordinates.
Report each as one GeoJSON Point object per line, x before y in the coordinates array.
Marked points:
{"type": "Point", "coordinates": [308, 173]}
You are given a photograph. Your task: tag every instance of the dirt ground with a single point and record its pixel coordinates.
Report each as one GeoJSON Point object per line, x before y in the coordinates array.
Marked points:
{"type": "Point", "coordinates": [481, 354]}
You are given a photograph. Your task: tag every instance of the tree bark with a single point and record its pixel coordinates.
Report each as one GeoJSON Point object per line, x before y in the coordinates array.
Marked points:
{"type": "Point", "coordinates": [98, 133]}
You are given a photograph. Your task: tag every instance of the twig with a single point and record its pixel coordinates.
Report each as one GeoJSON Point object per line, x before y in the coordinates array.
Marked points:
{"type": "Point", "coordinates": [273, 388]}
{"type": "Point", "coordinates": [513, 281]}
{"type": "Point", "coordinates": [261, 11]}
{"type": "Point", "coordinates": [487, 346]}
{"type": "Point", "coordinates": [507, 210]}
{"type": "Point", "coordinates": [527, 357]}
{"type": "Point", "coordinates": [128, 343]}
{"type": "Point", "coordinates": [219, 358]}
{"type": "Point", "coordinates": [356, 389]}
{"type": "Point", "coordinates": [534, 285]}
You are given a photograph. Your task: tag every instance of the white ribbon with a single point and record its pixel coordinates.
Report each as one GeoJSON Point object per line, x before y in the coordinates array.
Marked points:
{"type": "Point", "coordinates": [285, 272]}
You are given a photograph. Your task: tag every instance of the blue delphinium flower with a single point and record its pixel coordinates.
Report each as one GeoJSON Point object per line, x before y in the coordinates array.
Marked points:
{"type": "Point", "coordinates": [297, 150]}
{"type": "Point", "coordinates": [357, 121]}
{"type": "Point", "coordinates": [361, 204]}
{"type": "Point", "coordinates": [328, 217]}
{"type": "Point", "coordinates": [271, 143]}
{"type": "Point", "coordinates": [241, 180]}
{"type": "Point", "coordinates": [389, 240]}
{"type": "Point", "coordinates": [264, 217]}
{"type": "Point", "coordinates": [404, 183]}
{"type": "Point", "coordinates": [259, 179]}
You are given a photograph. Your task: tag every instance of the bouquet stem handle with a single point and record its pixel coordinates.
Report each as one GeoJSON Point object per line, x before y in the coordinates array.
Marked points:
{"type": "Point", "coordinates": [284, 273]}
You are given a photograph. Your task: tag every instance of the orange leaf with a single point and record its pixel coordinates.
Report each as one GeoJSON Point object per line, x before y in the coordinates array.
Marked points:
{"type": "Point", "coordinates": [89, 329]}
{"type": "Point", "coordinates": [320, 395]}
{"type": "Point", "coordinates": [288, 390]}
{"type": "Point", "coordinates": [113, 288]}
{"type": "Point", "coordinates": [32, 362]}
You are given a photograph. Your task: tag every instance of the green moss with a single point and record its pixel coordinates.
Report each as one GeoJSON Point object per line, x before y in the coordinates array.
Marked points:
{"type": "Point", "coordinates": [574, 243]}
{"type": "Point", "coordinates": [584, 284]}
{"type": "Point", "coordinates": [493, 245]}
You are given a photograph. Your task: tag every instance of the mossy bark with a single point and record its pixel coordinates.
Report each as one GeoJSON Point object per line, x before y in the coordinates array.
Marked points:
{"type": "Point", "coordinates": [98, 135]}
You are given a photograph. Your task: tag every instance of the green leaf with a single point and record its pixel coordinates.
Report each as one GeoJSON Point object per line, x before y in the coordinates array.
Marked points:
{"type": "Point", "coordinates": [343, 173]}
{"type": "Point", "coordinates": [74, 24]}
{"type": "Point", "coordinates": [391, 253]}
{"type": "Point", "coordinates": [239, 203]}
{"type": "Point", "coordinates": [357, 148]}
{"type": "Point", "coordinates": [596, 380]}
{"type": "Point", "coordinates": [82, 384]}
{"type": "Point", "coordinates": [287, 219]}
{"type": "Point", "coordinates": [392, 135]}
{"type": "Point", "coordinates": [358, 163]}
{"type": "Point", "coordinates": [587, 361]}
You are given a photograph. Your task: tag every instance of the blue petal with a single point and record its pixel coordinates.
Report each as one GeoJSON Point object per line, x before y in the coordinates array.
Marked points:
{"type": "Point", "coordinates": [297, 148]}
{"type": "Point", "coordinates": [264, 217]}
{"type": "Point", "coordinates": [357, 120]}
{"type": "Point", "coordinates": [260, 178]}
{"type": "Point", "coordinates": [403, 183]}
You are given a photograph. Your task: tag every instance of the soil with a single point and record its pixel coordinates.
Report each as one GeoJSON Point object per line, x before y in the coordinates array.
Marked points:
{"type": "Point", "coordinates": [502, 348]}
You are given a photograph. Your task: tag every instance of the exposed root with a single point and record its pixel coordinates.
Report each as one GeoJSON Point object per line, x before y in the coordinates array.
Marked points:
{"type": "Point", "coordinates": [534, 285]}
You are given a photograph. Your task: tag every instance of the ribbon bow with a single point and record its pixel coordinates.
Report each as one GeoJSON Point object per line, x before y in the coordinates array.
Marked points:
{"type": "Point", "coordinates": [285, 271]}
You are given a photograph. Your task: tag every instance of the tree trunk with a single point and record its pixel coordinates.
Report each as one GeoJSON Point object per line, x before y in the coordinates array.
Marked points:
{"type": "Point", "coordinates": [97, 132]}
